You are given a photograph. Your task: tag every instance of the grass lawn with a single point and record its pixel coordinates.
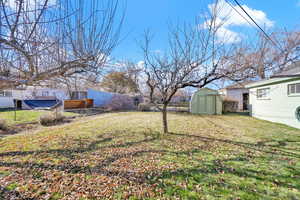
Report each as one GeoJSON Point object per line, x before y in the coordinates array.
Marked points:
{"type": "Point", "coordinates": [25, 116]}
{"type": "Point", "coordinates": [122, 156]}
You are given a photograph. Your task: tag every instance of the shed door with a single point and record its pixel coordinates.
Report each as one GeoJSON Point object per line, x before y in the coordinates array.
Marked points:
{"type": "Point", "coordinates": [211, 105]}
{"type": "Point", "coordinates": [201, 104]}
{"type": "Point", "coordinates": [206, 105]}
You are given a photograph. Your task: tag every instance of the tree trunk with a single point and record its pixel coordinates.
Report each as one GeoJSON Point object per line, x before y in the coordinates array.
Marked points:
{"type": "Point", "coordinates": [165, 121]}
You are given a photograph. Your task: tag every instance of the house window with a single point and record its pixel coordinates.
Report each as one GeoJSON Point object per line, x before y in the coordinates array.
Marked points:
{"type": "Point", "coordinates": [45, 93]}
{"type": "Point", "coordinates": [79, 95]}
{"type": "Point", "coordinates": [263, 93]}
{"type": "Point", "coordinates": [294, 89]}
{"type": "Point", "coordinates": [5, 93]}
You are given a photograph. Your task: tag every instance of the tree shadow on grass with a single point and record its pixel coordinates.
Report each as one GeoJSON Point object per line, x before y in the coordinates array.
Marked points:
{"type": "Point", "coordinates": [71, 152]}
{"type": "Point", "coordinates": [7, 194]}
{"type": "Point", "coordinates": [260, 146]}
{"type": "Point", "coordinates": [201, 167]}
{"type": "Point", "coordinates": [222, 176]}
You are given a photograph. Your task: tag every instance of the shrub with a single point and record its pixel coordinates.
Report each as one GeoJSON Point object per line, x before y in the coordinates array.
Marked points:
{"type": "Point", "coordinates": [51, 119]}
{"type": "Point", "coordinates": [120, 102]}
{"type": "Point", "coordinates": [3, 125]}
{"type": "Point", "coordinates": [144, 107]}
{"type": "Point", "coordinates": [230, 105]}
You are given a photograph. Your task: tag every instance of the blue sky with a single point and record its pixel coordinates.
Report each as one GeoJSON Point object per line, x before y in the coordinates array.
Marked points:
{"type": "Point", "coordinates": [156, 14]}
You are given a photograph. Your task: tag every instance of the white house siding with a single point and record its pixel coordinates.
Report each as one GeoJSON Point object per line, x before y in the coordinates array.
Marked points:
{"type": "Point", "coordinates": [6, 102]}
{"type": "Point", "coordinates": [48, 92]}
{"type": "Point", "coordinates": [32, 93]}
{"type": "Point", "coordinates": [278, 107]}
{"type": "Point", "coordinates": [236, 94]}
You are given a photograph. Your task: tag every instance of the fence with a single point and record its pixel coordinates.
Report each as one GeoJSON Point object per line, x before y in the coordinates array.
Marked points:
{"type": "Point", "coordinates": [77, 104]}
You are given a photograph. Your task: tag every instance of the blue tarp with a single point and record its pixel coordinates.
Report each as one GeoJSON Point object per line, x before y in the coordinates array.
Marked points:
{"type": "Point", "coordinates": [100, 98]}
{"type": "Point", "coordinates": [42, 104]}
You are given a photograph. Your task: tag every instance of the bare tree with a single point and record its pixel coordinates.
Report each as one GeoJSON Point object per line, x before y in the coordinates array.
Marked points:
{"type": "Point", "coordinates": [41, 39]}
{"type": "Point", "coordinates": [266, 56]}
{"type": "Point", "coordinates": [196, 57]}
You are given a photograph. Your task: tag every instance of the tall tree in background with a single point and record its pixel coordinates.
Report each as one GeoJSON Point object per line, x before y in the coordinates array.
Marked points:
{"type": "Point", "coordinates": [266, 57]}
{"type": "Point", "coordinates": [119, 82]}
{"type": "Point", "coordinates": [42, 39]}
{"type": "Point", "coordinates": [195, 57]}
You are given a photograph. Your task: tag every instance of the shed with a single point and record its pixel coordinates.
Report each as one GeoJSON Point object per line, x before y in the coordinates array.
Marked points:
{"type": "Point", "coordinates": [206, 101]}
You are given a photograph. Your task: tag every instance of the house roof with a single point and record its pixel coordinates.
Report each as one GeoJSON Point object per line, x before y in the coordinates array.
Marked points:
{"type": "Point", "coordinates": [292, 70]}
{"type": "Point", "coordinates": [240, 85]}
{"type": "Point", "coordinates": [271, 81]}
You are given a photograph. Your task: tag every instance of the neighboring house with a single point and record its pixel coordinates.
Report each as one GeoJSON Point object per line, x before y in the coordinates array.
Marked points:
{"type": "Point", "coordinates": [6, 99]}
{"type": "Point", "coordinates": [78, 94]}
{"type": "Point", "coordinates": [110, 100]}
{"type": "Point", "coordinates": [278, 98]}
{"type": "Point", "coordinates": [180, 99]}
{"type": "Point", "coordinates": [181, 96]}
{"type": "Point", "coordinates": [239, 93]}
{"type": "Point", "coordinates": [9, 96]}
{"type": "Point", "coordinates": [100, 98]}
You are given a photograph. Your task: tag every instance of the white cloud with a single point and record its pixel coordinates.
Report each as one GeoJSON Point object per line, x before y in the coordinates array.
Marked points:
{"type": "Point", "coordinates": [227, 17]}
{"type": "Point", "coordinates": [227, 36]}
{"type": "Point", "coordinates": [231, 17]}
{"type": "Point", "coordinates": [298, 3]}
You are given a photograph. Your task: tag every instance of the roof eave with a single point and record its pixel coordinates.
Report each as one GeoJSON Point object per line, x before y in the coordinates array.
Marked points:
{"type": "Point", "coordinates": [270, 82]}
{"type": "Point", "coordinates": [285, 76]}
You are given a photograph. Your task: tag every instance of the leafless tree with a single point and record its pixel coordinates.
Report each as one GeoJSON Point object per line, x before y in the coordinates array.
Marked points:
{"type": "Point", "coordinates": [266, 57]}
{"type": "Point", "coordinates": [42, 39]}
{"type": "Point", "coordinates": [196, 57]}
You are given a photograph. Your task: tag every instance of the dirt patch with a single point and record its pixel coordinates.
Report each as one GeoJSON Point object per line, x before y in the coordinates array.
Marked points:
{"type": "Point", "coordinates": [15, 129]}
{"type": "Point", "coordinates": [19, 128]}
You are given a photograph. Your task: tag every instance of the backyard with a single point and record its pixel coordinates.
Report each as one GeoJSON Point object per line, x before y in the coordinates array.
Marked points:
{"type": "Point", "coordinates": [25, 116]}
{"type": "Point", "coordinates": [123, 156]}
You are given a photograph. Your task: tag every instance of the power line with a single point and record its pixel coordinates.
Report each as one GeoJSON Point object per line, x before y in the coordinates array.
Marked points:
{"type": "Point", "coordinates": [266, 35]}
{"type": "Point", "coordinates": [232, 6]}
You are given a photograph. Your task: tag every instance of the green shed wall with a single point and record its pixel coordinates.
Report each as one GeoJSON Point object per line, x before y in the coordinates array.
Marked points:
{"type": "Point", "coordinates": [206, 101]}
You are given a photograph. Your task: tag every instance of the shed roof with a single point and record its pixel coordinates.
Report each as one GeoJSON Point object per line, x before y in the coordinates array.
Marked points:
{"type": "Point", "coordinates": [206, 91]}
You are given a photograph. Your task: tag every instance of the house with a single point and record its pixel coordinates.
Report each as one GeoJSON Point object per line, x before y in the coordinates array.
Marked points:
{"type": "Point", "coordinates": [9, 97]}
{"type": "Point", "coordinates": [237, 92]}
{"type": "Point", "coordinates": [113, 101]}
{"type": "Point", "coordinates": [277, 99]}
{"type": "Point", "coordinates": [79, 94]}
{"type": "Point", "coordinates": [181, 96]}
{"type": "Point", "coordinates": [206, 101]}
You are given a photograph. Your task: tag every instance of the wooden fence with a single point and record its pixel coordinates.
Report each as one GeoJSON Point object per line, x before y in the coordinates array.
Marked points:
{"type": "Point", "coordinates": [77, 104]}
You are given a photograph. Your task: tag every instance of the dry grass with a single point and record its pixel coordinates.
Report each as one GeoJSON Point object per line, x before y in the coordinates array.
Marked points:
{"type": "Point", "coordinates": [25, 116]}
{"type": "Point", "coordinates": [122, 156]}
